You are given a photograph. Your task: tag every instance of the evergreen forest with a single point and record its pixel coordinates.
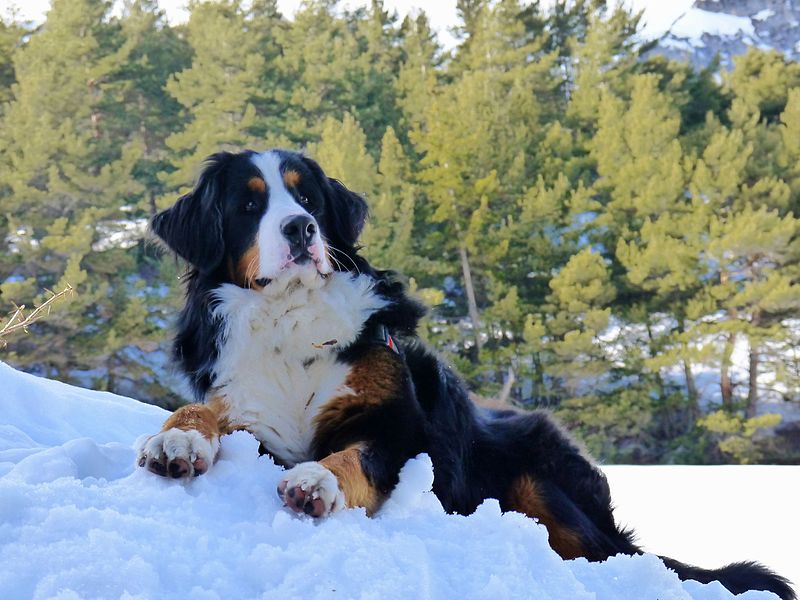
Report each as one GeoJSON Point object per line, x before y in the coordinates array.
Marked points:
{"type": "Point", "coordinates": [598, 231]}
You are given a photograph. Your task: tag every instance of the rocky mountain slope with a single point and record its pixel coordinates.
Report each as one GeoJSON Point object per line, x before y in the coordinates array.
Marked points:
{"type": "Point", "coordinates": [730, 27]}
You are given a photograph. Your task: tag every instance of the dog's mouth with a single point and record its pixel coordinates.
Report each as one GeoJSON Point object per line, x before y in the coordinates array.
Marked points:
{"type": "Point", "coordinates": [301, 259]}
{"type": "Point", "coordinates": [304, 260]}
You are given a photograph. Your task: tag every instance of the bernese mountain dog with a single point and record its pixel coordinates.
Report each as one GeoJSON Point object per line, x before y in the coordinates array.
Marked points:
{"type": "Point", "coordinates": [289, 333]}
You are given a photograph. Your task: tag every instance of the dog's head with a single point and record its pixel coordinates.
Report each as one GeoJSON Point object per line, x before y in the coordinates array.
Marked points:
{"type": "Point", "coordinates": [254, 217]}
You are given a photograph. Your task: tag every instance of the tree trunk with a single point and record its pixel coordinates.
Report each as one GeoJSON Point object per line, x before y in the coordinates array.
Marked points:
{"type": "Point", "coordinates": [505, 393]}
{"type": "Point", "coordinates": [651, 350]}
{"type": "Point", "coordinates": [752, 391]}
{"type": "Point", "coordinates": [725, 384]}
{"type": "Point", "coordinates": [691, 391]}
{"type": "Point", "coordinates": [472, 305]}
{"type": "Point", "coordinates": [152, 203]}
{"type": "Point", "coordinates": [691, 387]}
{"type": "Point", "coordinates": [754, 360]}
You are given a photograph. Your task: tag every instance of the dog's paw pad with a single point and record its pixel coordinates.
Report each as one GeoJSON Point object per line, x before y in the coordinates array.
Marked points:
{"type": "Point", "coordinates": [311, 489]}
{"type": "Point", "coordinates": [178, 453]}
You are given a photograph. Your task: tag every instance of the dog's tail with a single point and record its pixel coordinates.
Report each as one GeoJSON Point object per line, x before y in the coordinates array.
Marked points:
{"type": "Point", "coordinates": [737, 577]}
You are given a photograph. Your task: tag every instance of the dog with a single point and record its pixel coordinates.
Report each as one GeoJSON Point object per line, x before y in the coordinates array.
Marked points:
{"type": "Point", "coordinates": [289, 333]}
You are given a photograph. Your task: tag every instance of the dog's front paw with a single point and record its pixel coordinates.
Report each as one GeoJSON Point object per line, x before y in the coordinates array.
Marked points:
{"type": "Point", "coordinates": [178, 453]}
{"type": "Point", "coordinates": [312, 489]}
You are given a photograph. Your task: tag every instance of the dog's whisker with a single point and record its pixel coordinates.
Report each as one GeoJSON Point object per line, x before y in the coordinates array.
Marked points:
{"type": "Point", "coordinates": [344, 254]}
{"type": "Point", "coordinates": [250, 272]}
{"type": "Point", "coordinates": [334, 260]}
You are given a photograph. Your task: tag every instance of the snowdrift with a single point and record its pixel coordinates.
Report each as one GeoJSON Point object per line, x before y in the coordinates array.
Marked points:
{"type": "Point", "coordinates": [77, 520]}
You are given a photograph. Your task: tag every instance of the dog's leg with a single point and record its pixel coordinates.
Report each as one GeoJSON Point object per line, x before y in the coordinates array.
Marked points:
{"type": "Point", "coordinates": [378, 405]}
{"type": "Point", "coordinates": [188, 441]}
{"type": "Point", "coordinates": [527, 497]}
{"type": "Point", "coordinates": [335, 482]}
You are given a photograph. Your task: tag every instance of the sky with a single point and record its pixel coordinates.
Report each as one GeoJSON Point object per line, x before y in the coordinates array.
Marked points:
{"type": "Point", "coordinates": [659, 14]}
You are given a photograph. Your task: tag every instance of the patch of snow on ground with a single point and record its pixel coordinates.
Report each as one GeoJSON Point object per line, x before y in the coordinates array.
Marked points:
{"type": "Point", "coordinates": [120, 234]}
{"type": "Point", "coordinates": [712, 515]}
{"type": "Point", "coordinates": [77, 520]}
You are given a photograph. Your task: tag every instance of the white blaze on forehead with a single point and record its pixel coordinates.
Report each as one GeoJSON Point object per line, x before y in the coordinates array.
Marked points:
{"type": "Point", "coordinates": [269, 163]}
{"type": "Point", "coordinates": [273, 247]}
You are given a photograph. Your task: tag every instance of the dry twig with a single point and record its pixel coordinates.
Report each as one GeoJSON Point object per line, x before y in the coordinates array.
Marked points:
{"type": "Point", "coordinates": [20, 320]}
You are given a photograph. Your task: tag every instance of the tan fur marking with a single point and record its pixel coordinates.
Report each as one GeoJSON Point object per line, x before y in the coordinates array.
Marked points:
{"type": "Point", "coordinates": [209, 419]}
{"type": "Point", "coordinates": [247, 267]}
{"type": "Point", "coordinates": [525, 498]}
{"type": "Point", "coordinates": [358, 491]}
{"type": "Point", "coordinates": [257, 185]}
{"type": "Point", "coordinates": [291, 178]}
{"type": "Point", "coordinates": [374, 379]}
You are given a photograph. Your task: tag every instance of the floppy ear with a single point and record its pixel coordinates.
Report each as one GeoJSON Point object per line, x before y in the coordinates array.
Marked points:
{"type": "Point", "coordinates": [347, 212]}
{"type": "Point", "coordinates": [192, 227]}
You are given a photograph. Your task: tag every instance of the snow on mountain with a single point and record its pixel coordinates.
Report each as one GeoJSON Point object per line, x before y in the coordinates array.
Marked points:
{"type": "Point", "coordinates": [697, 22]}
{"type": "Point", "coordinates": [703, 28]}
{"type": "Point", "coordinates": [77, 520]}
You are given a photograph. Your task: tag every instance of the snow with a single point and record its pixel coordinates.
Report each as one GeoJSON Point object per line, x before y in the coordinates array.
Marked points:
{"type": "Point", "coordinates": [120, 234]}
{"type": "Point", "coordinates": [763, 15]}
{"type": "Point", "coordinates": [78, 520]}
{"type": "Point", "coordinates": [696, 22]}
{"type": "Point", "coordinates": [620, 336]}
{"type": "Point", "coordinates": [681, 45]}
{"type": "Point", "coordinates": [719, 514]}
{"type": "Point", "coordinates": [658, 16]}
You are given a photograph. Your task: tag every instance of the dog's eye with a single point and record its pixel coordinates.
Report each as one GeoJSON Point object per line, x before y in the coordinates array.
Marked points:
{"type": "Point", "coordinates": [303, 200]}
{"type": "Point", "coordinates": [251, 206]}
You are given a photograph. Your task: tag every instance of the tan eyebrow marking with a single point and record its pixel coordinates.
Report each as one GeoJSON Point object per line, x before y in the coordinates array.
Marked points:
{"type": "Point", "coordinates": [257, 185]}
{"type": "Point", "coordinates": [291, 178]}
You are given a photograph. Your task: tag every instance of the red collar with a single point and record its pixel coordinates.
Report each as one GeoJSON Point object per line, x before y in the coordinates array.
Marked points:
{"type": "Point", "coordinates": [382, 336]}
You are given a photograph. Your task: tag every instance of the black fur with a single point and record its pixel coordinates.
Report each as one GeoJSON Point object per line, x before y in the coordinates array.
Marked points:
{"type": "Point", "coordinates": [476, 453]}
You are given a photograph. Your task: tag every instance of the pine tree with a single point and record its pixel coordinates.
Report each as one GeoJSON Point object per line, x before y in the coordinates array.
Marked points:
{"type": "Point", "coordinates": [333, 65]}
{"type": "Point", "coordinates": [596, 52]}
{"type": "Point", "coordinates": [387, 238]}
{"type": "Point", "coordinates": [69, 183]}
{"type": "Point", "coordinates": [477, 132]}
{"type": "Point", "coordinates": [10, 38]}
{"type": "Point", "coordinates": [789, 158]}
{"type": "Point", "coordinates": [267, 25]}
{"type": "Point", "coordinates": [140, 108]}
{"type": "Point", "coordinates": [374, 103]}
{"type": "Point", "coordinates": [753, 244]}
{"type": "Point", "coordinates": [419, 71]}
{"type": "Point", "coordinates": [391, 238]}
{"type": "Point", "coordinates": [762, 80]}
{"type": "Point", "coordinates": [653, 233]}
{"type": "Point", "coordinates": [581, 294]}
{"type": "Point", "coordinates": [342, 150]}
{"type": "Point", "coordinates": [469, 11]}
{"type": "Point", "coordinates": [218, 91]}
{"type": "Point", "coordinates": [639, 167]}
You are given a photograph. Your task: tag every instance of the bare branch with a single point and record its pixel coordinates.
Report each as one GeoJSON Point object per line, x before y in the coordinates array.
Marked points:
{"type": "Point", "coordinates": [19, 320]}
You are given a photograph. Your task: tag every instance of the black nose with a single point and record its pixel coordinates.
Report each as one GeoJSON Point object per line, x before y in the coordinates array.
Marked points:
{"type": "Point", "coordinates": [299, 231]}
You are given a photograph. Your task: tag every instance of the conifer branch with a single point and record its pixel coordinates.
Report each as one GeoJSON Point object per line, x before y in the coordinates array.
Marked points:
{"type": "Point", "coordinates": [20, 320]}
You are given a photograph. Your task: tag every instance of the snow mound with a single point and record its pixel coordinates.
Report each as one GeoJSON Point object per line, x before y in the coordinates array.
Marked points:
{"type": "Point", "coordinates": [78, 520]}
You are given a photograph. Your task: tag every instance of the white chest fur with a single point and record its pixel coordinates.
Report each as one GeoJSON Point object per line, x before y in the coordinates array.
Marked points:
{"type": "Point", "coordinates": [277, 358]}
